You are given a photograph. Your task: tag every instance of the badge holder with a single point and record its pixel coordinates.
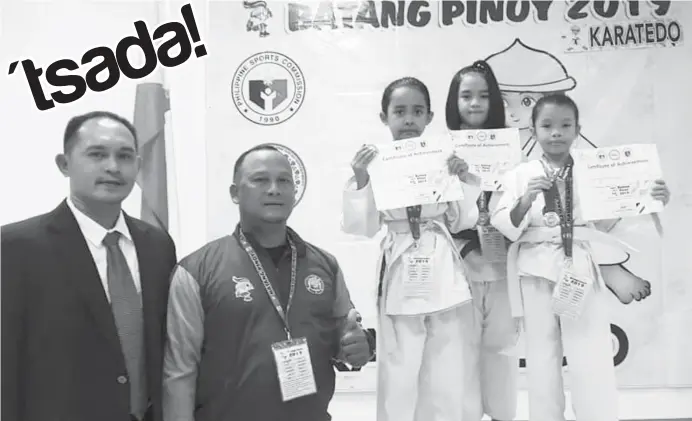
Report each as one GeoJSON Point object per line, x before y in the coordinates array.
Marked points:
{"type": "Point", "coordinates": [294, 368]}
{"type": "Point", "coordinates": [570, 293]}
{"type": "Point", "coordinates": [418, 267]}
{"type": "Point", "coordinates": [493, 244]}
{"type": "Point", "coordinates": [571, 290]}
{"type": "Point", "coordinates": [292, 356]}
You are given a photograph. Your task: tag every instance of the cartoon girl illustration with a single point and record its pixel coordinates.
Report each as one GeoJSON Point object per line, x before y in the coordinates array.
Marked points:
{"type": "Point", "coordinates": [526, 74]}
{"type": "Point", "coordinates": [259, 16]}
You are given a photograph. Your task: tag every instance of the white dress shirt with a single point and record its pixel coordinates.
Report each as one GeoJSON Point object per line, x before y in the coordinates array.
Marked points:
{"type": "Point", "coordinates": [94, 235]}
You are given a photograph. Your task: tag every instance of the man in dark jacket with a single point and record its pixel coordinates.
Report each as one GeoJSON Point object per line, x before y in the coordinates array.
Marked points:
{"type": "Point", "coordinates": [84, 291]}
{"type": "Point", "coordinates": [256, 318]}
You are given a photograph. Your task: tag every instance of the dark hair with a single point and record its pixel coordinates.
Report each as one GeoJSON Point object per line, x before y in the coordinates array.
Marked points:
{"type": "Point", "coordinates": [559, 99]}
{"type": "Point", "coordinates": [77, 122]}
{"type": "Point", "coordinates": [241, 158]}
{"type": "Point", "coordinates": [409, 82]}
{"type": "Point", "coordinates": [496, 110]}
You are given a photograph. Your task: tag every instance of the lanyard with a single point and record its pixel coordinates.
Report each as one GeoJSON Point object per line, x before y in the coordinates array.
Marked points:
{"type": "Point", "coordinates": [265, 280]}
{"type": "Point", "coordinates": [553, 203]}
{"type": "Point", "coordinates": [413, 214]}
{"type": "Point", "coordinates": [483, 211]}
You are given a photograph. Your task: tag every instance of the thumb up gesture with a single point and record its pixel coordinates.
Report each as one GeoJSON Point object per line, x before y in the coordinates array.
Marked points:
{"type": "Point", "coordinates": [354, 347]}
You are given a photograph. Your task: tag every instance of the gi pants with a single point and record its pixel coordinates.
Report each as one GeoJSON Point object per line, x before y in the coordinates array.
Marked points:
{"type": "Point", "coordinates": [588, 346]}
{"type": "Point", "coordinates": [490, 376]}
{"type": "Point", "coordinates": [420, 365]}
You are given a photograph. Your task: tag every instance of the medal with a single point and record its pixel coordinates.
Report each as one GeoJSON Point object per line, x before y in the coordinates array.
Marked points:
{"type": "Point", "coordinates": [551, 219]}
{"type": "Point", "coordinates": [483, 219]}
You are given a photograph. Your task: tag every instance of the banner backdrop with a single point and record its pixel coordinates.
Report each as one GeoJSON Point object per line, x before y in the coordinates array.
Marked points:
{"type": "Point", "coordinates": [309, 76]}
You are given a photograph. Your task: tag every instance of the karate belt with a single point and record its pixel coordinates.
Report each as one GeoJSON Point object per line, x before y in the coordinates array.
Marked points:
{"type": "Point", "coordinates": [552, 235]}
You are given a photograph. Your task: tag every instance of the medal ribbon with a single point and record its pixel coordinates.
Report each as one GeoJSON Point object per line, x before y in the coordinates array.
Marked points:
{"type": "Point", "coordinates": [265, 280]}
{"type": "Point", "coordinates": [471, 235]}
{"type": "Point", "coordinates": [413, 215]}
{"type": "Point", "coordinates": [553, 203]}
{"type": "Point", "coordinates": [483, 210]}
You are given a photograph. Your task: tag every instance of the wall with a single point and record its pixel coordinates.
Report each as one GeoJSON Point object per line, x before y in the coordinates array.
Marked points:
{"type": "Point", "coordinates": [626, 96]}
{"type": "Point", "coordinates": [48, 31]}
{"type": "Point", "coordinates": [339, 112]}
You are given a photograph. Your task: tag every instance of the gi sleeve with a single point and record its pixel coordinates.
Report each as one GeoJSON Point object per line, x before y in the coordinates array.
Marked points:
{"type": "Point", "coordinates": [359, 215]}
{"type": "Point", "coordinates": [515, 187]}
{"type": "Point", "coordinates": [182, 354]}
{"type": "Point", "coordinates": [463, 214]}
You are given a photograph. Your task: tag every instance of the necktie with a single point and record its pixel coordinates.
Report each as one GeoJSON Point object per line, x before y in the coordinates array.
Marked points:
{"type": "Point", "coordinates": [127, 311]}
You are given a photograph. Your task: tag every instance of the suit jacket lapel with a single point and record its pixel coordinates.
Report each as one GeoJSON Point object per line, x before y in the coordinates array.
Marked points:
{"type": "Point", "coordinates": [69, 242]}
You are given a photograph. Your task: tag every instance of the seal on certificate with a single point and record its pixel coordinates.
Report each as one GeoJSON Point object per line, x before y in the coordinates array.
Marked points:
{"type": "Point", "coordinates": [551, 219]}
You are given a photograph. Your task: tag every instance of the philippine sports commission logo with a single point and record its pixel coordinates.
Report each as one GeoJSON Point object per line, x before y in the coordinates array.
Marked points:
{"type": "Point", "coordinates": [300, 178]}
{"type": "Point", "coordinates": [268, 88]}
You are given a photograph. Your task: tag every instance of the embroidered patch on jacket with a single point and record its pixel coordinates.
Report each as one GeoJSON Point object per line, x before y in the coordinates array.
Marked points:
{"type": "Point", "coordinates": [314, 284]}
{"type": "Point", "coordinates": [243, 286]}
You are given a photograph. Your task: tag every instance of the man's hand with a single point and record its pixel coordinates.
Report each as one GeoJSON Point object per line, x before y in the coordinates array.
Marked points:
{"type": "Point", "coordinates": [355, 349]}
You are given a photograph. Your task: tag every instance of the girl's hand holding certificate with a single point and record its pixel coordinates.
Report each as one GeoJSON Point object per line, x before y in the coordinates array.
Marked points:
{"type": "Point", "coordinates": [660, 192]}
{"type": "Point", "coordinates": [360, 163]}
{"type": "Point", "coordinates": [457, 166]}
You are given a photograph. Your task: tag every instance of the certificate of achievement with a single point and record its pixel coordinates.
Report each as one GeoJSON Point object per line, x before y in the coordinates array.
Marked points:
{"type": "Point", "coordinates": [489, 153]}
{"type": "Point", "coordinates": [413, 172]}
{"type": "Point", "coordinates": [616, 182]}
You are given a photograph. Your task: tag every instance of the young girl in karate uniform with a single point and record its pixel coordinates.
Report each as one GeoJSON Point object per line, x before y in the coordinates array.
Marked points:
{"type": "Point", "coordinates": [474, 102]}
{"type": "Point", "coordinates": [419, 338]}
{"type": "Point", "coordinates": [540, 212]}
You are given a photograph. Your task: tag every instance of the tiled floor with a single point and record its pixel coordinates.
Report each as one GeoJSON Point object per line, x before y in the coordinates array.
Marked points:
{"type": "Point", "coordinates": [645, 405]}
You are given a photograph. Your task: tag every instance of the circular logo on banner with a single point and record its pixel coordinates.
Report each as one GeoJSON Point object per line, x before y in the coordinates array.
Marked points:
{"type": "Point", "coordinates": [268, 88]}
{"type": "Point", "coordinates": [300, 178]}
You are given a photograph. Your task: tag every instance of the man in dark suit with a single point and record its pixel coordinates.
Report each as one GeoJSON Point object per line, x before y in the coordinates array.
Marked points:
{"type": "Point", "coordinates": [85, 290]}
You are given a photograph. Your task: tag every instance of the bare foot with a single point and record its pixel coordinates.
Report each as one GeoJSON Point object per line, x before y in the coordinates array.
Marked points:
{"type": "Point", "coordinates": [625, 285]}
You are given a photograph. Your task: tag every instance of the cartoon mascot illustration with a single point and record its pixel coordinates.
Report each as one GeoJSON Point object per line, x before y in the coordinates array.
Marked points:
{"type": "Point", "coordinates": [526, 74]}
{"type": "Point", "coordinates": [259, 16]}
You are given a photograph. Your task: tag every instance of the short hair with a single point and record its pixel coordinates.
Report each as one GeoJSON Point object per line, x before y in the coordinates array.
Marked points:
{"type": "Point", "coordinates": [559, 99]}
{"type": "Point", "coordinates": [409, 82]}
{"type": "Point", "coordinates": [496, 109]}
{"type": "Point", "coordinates": [241, 158]}
{"type": "Point", "coordinates": [77, 122]}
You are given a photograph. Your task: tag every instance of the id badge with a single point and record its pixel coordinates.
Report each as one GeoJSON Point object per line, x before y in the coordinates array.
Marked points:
{"type": "Point", "coordinates": [493, 244]}
{"type": "Point", "coordinates": [294, 368]}
{"type": "Point", "coordinates": [570, 294]}
{"type": "Point", "coordinates": [418, 276]}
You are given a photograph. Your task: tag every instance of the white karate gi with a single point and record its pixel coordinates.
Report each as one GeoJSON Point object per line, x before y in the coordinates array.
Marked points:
{"type": "Point", "coordinates": [490, 373]}
{"type": "Point", "coordinates": [419, 339]}
{"type": "Point", "coordinates": [534, 264]}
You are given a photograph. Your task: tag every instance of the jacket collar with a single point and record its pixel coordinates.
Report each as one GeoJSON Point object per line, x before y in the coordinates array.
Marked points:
{"type": "Point", "coordinates": [301, 245]}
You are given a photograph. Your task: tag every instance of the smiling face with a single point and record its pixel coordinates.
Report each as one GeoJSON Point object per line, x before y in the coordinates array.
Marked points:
{"type": "Point", "coordinates": [101, 162]}
{"type": "Point", "coordinates": [407, 113]}
{"type": "Point", "coordinates": [518, 107]}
